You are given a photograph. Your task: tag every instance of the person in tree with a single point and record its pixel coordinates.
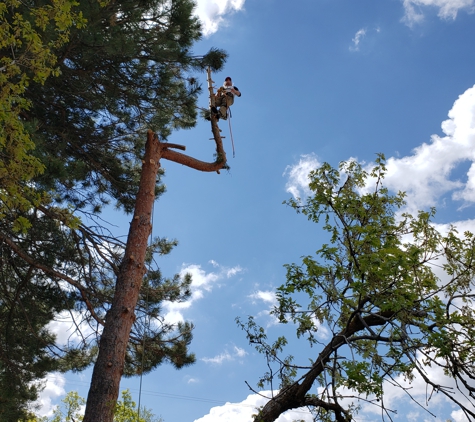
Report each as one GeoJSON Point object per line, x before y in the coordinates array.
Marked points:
{"type": "Point", "coordinates": [225, 98]}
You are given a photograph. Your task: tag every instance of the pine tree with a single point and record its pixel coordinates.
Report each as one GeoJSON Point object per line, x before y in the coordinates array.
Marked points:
{"type": "Point", "coordinates": [29, 34]}
{"type": "Point", "coordinates": [129, 68]}
{"type": "Point", "coordinates": [126, 72]}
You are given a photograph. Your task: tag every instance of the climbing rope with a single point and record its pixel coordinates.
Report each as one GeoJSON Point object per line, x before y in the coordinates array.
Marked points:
{"type": "Point", "coordinates": [231, 131]}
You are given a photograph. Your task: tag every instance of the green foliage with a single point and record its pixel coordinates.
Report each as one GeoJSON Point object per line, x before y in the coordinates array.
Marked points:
{"type": "Point", "coordinates": [28, 37]}
{"type": "Point", "coordinates": [374, 288]}
{"type": "Point", "coordinates": [70, 411]}
{"type": "Point", "coordinates": [80, 83]}
{"type": "Point", "coordinates": [125, 411]}
{"type": "Point", "coordinates": [30, 301]}
{"type": "Point", "coordinates": [29, 34]}
{"type": "Point", "coordinates": [119, 76]}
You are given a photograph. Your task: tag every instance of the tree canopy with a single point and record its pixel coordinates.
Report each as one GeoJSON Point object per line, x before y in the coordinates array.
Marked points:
{"type": "Point", "coordinates": [29, 36]}
{"type": "Point", "coordinates": [80, 85]}
{"type": "Point", "coordinates": [394, 295]}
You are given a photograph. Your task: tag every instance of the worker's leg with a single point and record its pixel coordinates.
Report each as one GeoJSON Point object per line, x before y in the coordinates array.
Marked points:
{"type": "Point", "coordinates": [223, 112]}
{"type": "Point", "coordinates": [226, 101]}
{"type": "Point", "coordinates": [217, 103]}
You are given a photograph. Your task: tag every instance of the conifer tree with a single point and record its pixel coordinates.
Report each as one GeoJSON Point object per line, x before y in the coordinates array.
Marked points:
{"type": "Point", "coordinates": [29, 34]}
{"type": "Point", "coordinates": [129, 68]}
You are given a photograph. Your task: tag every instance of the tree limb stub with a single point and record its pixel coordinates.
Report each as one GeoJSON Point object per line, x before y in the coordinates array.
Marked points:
{"type": "Point", "coordinates": [194, 163]}
{"type": "Point", "coordinates": [176, 146]}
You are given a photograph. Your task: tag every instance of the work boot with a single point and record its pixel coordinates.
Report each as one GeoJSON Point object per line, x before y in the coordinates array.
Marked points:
{"type": "Point", "coordinates": [223, 112]}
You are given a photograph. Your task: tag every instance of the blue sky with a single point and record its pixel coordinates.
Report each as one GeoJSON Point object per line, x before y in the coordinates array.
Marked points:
{"type": "Point", "coordinates": [321, 80]}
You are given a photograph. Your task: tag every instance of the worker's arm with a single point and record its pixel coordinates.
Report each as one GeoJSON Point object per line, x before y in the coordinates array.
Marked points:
{"type": "Point", "coordinates": [236, 91]}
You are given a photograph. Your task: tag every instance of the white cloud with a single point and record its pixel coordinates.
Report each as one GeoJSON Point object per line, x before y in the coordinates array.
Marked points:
{"type": "Point", "coordinates": [219, 359]}
{"type": "Point", "coordinates": [448, 9]}
{"type": "Point", "coordinates": [426, 174]}
{"type": "Point", "coordinates": [226, 356]}
{"type": "Point", "coordinates": [212, 13]}
{"type": "Point", "coordinates": [201, 282]}
{"type": "Point", "coordinates": [364, 39]}
{"type": "Point", "coordinates": [54, 388]}
{"type": "Point", "coordinates": [394, 398]}
{"type": "Point", "coordinates": [357, 39]}
{"type": "Point", "coordinates": [267, 296]}
{"type": "Point", "coordinates": [297, 184]}
{"type": "Point", "coordinates": [458, 416]}
{"type": "Point", "coordinates": [243, 411]}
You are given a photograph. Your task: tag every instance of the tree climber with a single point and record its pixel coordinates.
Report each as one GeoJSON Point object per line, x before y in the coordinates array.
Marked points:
{"type": "Point", "coordinates": [225, 98]}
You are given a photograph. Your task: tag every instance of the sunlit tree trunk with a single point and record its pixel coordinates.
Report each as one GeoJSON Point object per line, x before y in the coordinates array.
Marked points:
{"type": "Point", "coordinates": [104, 389]}
{"type": "Point", "coordinates": [108, 369]}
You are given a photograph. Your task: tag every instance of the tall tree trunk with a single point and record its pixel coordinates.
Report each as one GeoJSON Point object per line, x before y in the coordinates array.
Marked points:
{"type": "Point", "coordinates": [109, 366]}
{"type": "Point", "coordinates": [108, 369]}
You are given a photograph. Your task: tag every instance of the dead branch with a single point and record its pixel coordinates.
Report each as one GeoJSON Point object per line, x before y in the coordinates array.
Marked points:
{"type": "Point", "coordinates": [194, 163]}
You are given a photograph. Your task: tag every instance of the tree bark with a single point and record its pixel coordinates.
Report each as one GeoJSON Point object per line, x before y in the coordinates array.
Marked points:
{"type": "Point", "coordinates": [108, 369]}
{"type": "Point", "coordinates": [193, 163]}
{"type": "Point", "coordinates": [294, 396]}
{"type": "Point", "coordinates": [109, 366]}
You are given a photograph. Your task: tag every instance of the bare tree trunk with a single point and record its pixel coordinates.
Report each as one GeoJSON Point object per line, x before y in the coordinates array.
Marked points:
{"type": "Point", "coordinates": [108, 369]}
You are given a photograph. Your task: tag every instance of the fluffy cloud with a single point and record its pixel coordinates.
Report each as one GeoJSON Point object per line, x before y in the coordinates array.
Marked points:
{"type": "Point", "coordinates": [227, 356]}
{"type": "Point", "coordinates": [448, 9]}
{"type": "Point", "coordinates": [297, 183]}
{"type": "Point", "coordinates": [427, 176]}
{"type": "Point", "coordinates": [269, 299]}
{"type": "Point", "coordinates": [54, 388]}
{"type": "Point", "coordinates": [267, 296]}
{"type": "Point", "coordinates": [202, 282]}
{"type": "Point", "coordinates": [212, 13]}
{"type": "Point", "coordinates": [243, 411]}
{"type": "Point", "coordinates": [66, 325]}
{"type": "Point", "coordinates": [458, 416]}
